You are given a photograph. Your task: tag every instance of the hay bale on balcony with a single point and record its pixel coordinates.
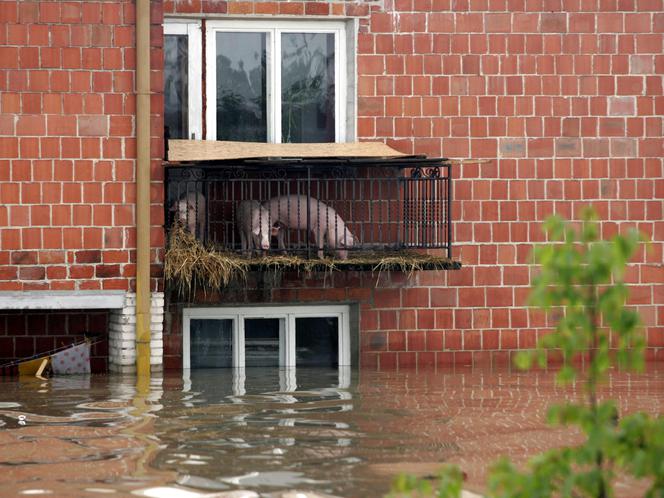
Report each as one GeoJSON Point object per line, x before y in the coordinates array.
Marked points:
{"type": "Point", "coordinates": [189, 265]}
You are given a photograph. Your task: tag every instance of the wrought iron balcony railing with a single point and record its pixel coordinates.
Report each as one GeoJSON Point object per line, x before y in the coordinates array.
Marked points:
{"type": "Point", "coordinates": [309, 207]}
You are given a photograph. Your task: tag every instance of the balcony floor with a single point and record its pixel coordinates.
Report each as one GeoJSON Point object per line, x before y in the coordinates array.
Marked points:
{"type": "Point", "coordinates": [386, 261]}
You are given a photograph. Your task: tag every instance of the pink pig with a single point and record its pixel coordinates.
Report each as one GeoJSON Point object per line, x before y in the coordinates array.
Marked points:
{"type": "Point", "coordinates": [326, 225]}
{"type": "Point", "coordinates": [253, 223]}
{"type": "Point", "coordinates": [190, 211]}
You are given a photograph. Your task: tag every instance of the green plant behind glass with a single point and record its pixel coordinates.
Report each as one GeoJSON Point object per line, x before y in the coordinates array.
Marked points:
{"type": "Point", "coordinates": [581, 280]}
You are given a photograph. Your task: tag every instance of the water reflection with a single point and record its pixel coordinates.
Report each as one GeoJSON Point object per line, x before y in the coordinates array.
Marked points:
{"type": "Point", "coordinates": [334, 431]}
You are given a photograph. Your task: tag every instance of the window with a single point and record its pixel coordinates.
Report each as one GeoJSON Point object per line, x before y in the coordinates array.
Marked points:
{"type": "Point", "coordinates": [275, 336]}
{"type": "Point", "coordinates": [182, 80]}
{"type": "Point", "coordinates": [265, 81]}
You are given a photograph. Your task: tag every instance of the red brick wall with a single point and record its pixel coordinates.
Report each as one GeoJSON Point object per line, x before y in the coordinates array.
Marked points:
{"type": "Point", "coordinates": [564, 96]}
{"type": "Point", "coordinates": [23, 334]}
{"type": "Point", "coordinates": [67, 144]}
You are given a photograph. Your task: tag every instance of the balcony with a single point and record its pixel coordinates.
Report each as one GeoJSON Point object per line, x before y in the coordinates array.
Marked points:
{"type": "Point", "coordinates": [318, 213]}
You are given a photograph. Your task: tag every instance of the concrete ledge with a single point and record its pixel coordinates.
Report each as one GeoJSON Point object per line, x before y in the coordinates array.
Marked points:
{"type": "Point", "coordinates": [62, 300]}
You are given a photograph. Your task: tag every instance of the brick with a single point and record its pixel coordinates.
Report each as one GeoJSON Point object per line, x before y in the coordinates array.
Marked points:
{"type": "Point", "coordinates": [629, 85]}
{"type": "Point", "coordinates": [24, 257]}
{"type": "Point", "coordinates": [453, 339]}
{"type": "Point", "coordinates": [441, 22]}
{"type": "Point", "coordinates": [31, 273]}
{"type": "Point", "coordinates": [468, 23]}
{"type": "Point", "coordinates": [581, 23]}
{"type": "Point", "coordinates": [525, 22]}
{"type": "Point", "coordinates": [512, 147]}
{"type": "Point", "coordinates": [415, 298]}
{"type": "Point", "coordinates": [612, 127]}
{"type": "Point", "coordinates": [609, 22]}
{"type": "Point", "coordinates": [49, 12]}
{"type": "Point", "coordinates": [443, 297]}
{"type": "Point", "coordinates": [396, 341]}
{"type": "Point", "coordinates": [622, 106]}
{"type": "Point", "coordinates": [498, 23]}
{"type": "Point", "coordinates": [316, 9]}
{"type": "Point", "coordinates": [553, 23]}
{"type": "Point", "coordinates": [8, 148]}
{"type": "Point", "coordinates": [471, 297]}
{"type": "Point", "coordinates": [416, 340]}
{"type": "Point", "coordinates": [595, 147]}
{"type": "Point", "coordinates": [542, 147]}
{"type": "Point", "coordinates": [91, 13]}
{"type": "Point", "coordinates": [641, 64]}
{"type": "Point", "coordinates": [92, 125]}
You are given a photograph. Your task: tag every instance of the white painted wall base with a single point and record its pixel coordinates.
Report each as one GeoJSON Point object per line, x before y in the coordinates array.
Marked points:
{"type": "Point", "coordinates": [122, 335]}
{"type": "Point", "coordinates": [61, 300]}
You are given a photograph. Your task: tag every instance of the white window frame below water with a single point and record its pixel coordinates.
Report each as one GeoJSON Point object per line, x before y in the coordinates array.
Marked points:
{"type": "Point", "coordinates": [286, 315]}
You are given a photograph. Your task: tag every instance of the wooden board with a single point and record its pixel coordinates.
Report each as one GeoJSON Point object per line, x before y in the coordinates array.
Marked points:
{"type": "Point", "coordinates": [210, 150]}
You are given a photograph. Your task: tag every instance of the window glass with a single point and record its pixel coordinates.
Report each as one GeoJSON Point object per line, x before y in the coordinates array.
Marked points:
{"type": "Point", "coordinates": [317, 342]}
{"type": "Point", "coordinates": [176, 86]}
{"type": "Point", "coordinates": [307, 87]}
{"type": "Point", "coordinates": [261, 342]}
{"type": "Point", "coordinates": [241, 87]}
{"type": "Point", "coordinates": [211, 343]}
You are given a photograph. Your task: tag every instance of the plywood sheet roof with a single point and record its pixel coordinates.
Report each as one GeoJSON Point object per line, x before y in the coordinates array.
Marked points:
{"type": "Point", "coordinates": [210, 150]}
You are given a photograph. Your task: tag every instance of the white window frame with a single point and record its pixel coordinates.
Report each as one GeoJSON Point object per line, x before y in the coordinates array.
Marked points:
{"type": "Point", "coordinates": [286, 315]}
{"type": "Point", "coordinates": [194, 66]}
{"type": "Point", "coordinates": [273, 29]}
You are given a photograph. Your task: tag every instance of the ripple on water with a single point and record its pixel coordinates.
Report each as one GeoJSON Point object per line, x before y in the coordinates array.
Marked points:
{"type": "Point", "coordinates": [209, 433]}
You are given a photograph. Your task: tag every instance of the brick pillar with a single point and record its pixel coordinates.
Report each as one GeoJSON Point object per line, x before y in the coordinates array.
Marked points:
{"type": "Point", "coordinates": [122, 335]}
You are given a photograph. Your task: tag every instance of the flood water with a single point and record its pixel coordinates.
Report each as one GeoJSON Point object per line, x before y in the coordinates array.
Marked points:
{"type": "Point", "coordinates": [340, 432]}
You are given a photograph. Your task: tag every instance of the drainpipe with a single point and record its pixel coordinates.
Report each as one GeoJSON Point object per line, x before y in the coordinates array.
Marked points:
{"type": "Point", "coordinates": [143, 187]}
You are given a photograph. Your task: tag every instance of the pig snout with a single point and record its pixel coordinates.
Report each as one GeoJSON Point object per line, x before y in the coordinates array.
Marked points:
{"type": "Point", "coordinates": [347, 239]}
{"type": "Point", "coordinates": [265, 241]}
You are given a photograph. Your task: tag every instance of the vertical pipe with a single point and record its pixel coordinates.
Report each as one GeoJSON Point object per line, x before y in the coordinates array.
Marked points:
{"type": "Point", "coordinates": [142, 187]}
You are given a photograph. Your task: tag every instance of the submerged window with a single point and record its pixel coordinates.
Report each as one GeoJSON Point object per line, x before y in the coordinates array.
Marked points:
{"type": "Point", "coordinates": [211, 343]}
{"type": "Point", "coordinates": [303, 336]}
{"type": "Point", "coordinates": [317, 341]}
{"type": "Point", "coordinates": [261, 342]}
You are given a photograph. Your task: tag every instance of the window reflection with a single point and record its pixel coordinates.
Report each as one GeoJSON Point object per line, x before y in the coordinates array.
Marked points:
{"type": "Point", "coordinates": [241, 87]}
{"type": "Point", "coordinates": [261, 342]}
{"type": "Point", "coordinates": [307, 87]}
{"type": "Point", "coordinates": [317, 341]}
{"type": "Point", "coordinates": [176, 86]}
{"type": "Point", "coordinates": [211, 343]}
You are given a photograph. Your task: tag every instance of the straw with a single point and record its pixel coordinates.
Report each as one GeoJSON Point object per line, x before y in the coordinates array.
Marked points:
{"type": "Point", "coordinates": [189, 265]}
